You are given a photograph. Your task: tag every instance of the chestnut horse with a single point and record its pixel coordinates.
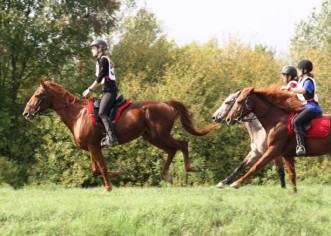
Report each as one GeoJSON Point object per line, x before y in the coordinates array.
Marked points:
{"type": "Point", "coordinates": [258, 142]}
{"type": "Point", "coordinates": [272, 107]}
{"type": "Point", "coordinates": [151, 119]}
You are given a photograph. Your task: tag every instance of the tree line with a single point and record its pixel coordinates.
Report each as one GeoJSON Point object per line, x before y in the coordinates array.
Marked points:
{"type": "Point", "coordinates": [49, 40]}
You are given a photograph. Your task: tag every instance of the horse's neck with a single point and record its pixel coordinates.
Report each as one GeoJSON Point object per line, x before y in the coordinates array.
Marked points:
{"type": "Point", "coordinates": [268, 114]}
{"type": "Point", "coordinates": [256, 131]}
{"type": "Point", "coordinates": [68, 109]}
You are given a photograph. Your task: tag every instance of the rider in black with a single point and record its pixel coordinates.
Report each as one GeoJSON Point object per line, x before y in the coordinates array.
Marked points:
{"type": "Point", "coordinates": [106, 76]}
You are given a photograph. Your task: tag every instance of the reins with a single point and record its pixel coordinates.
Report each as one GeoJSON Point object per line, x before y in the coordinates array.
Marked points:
{"type": "Point", "coordinates": [66, 105]}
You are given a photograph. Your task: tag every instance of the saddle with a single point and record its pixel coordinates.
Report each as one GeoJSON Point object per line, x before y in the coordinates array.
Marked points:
{"type": "Point", "coordinates": [316, 128]}
{"type": "Point", "coordinates": [115, 112]}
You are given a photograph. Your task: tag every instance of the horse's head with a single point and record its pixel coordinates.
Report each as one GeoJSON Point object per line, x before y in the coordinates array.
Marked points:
{"type": "Point", "coordinates": [241, 107]}
{"type": "Point", "coordinates": [37, 103]}
{"type": "Point", "coordinates": [221, 113]}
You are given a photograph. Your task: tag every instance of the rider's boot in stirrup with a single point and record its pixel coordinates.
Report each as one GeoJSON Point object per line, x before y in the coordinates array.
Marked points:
{"type": "Point", "coordinates": [110, 138]}
{"type": "Point", "coordinates": [300, 150]}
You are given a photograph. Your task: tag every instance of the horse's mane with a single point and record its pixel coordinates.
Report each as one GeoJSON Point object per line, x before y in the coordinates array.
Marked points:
{"type": "Point", "coordinates": [59, 88]}
{"type": "Point", "coordinates": [282, 99]}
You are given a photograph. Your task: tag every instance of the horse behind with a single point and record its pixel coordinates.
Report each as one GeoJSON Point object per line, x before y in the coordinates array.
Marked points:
{"type": "Point", "coordinates": [273, 107]}
{"type": "Point", "coordinates": [258, 142]}
{"type": "Point", "coordinates": [153, 120]}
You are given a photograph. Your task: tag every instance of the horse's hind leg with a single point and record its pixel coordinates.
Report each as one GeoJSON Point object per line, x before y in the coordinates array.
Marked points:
{"type": "Point", "coordinates": [289, 163]}
{"type": "Point", "coordinates": [182, 145]}
{"type": "Point", "coordinates": [170, 146]}
{"type": "Point", "coordinates": [170, 151]}
{"type": "Point", "coordinates": [280, 170]}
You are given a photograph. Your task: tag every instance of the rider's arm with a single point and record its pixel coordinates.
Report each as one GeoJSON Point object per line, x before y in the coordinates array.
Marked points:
{"type": "Point", "coordinates": [94, 85]}
{"type": "Point", "coordinates": [104, 69]}
{"type": "Point", "coordinates": [297, 90]}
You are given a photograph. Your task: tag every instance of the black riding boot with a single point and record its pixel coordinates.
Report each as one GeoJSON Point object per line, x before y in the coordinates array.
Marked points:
{"type": "Point", "coordinates": [110, 138]}
{"type": "Point", "coordinates": [300, 150]}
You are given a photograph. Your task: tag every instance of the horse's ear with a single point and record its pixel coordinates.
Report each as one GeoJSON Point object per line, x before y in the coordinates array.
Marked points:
{"type": "Point", "coordinates": [42, 83]}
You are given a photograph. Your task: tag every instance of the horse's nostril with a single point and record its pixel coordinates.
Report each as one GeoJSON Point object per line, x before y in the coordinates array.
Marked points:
{"type": "Point", "coordinates": [25, 113]}
{"type": "Point", "coordinates": [214, 117]}
{"type": "Point", "coordinates": [228, 120]}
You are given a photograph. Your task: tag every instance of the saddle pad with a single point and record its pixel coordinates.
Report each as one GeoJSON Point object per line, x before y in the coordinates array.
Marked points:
{"type": "Point", "coordinates": [91, 111]}
{"type": "Point", "coordinates": [320, 127]}
{"type": "Point", "coordinates": [119, 110]}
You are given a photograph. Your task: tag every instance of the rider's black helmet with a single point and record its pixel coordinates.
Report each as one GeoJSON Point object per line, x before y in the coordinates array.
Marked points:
{"type": "Point", "coordinates": [306, 64]}
{"type": "Point", "coordinates": [289, 70]}
{"type": "Point", "coordinates": [99, 43]}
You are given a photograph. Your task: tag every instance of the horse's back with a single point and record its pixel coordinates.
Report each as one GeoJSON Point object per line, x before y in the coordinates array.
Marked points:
{"type": "Point", "coordinates": [139, 116]}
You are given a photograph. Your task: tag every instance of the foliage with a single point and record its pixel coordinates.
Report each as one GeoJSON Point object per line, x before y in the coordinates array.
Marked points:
{"type": "Point", "coordinates": [41, 38]}
{"type": "Point", "coordinates": [47, 39]}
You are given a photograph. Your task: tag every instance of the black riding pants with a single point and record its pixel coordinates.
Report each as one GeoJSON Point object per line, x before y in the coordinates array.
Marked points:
{"type": "Point", "coordinates": [106, 103]}
{"type": "Point", "coordinates": [302, 118]}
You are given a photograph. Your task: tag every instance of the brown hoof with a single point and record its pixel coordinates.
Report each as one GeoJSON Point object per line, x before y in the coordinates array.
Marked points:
{"type": "Point", "coordinates": [108, 189]}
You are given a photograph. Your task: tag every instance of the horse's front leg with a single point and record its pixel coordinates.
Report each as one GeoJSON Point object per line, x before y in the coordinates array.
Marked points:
{"type": "Point", "coordinates": [280, 170]}
{"type": "Point", "coordinates": [99, 166]}
{"type": "Point", "coordinates": [290, 167]}
{"type": "Point", "coordinates": [251, 157]}
{"type": "Point", "coordinates": [271, 153]}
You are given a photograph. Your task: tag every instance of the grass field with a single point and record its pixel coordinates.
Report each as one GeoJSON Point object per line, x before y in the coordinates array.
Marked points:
{"type": "Point", "coordinates": [251, 210]}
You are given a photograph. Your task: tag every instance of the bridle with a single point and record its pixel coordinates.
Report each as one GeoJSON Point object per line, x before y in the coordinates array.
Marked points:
{"type": "Point", "coordinates": [35, 109]}
{"type": "Point", "coordinates": [240, 117]}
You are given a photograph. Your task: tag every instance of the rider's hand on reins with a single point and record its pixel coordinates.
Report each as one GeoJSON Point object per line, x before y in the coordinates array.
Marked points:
{"type": "Point", "coordinates": [86, 92]}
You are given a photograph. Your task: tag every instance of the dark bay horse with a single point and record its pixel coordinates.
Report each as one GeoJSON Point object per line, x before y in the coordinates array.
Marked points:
{"type": "Point", "coordinates": [258, 144]}
{"type": "Point", "coordinates": [272, 107]}
{"type": "Point", "coordinates": [151, 119]}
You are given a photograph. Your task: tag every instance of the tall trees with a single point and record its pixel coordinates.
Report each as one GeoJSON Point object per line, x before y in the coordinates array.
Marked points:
{"type": "Point", "coordinates": [41, 38]}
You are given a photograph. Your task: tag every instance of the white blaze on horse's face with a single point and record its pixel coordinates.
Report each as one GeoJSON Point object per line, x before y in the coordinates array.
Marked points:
{"type": "Point", "coordinates": [221, 113]}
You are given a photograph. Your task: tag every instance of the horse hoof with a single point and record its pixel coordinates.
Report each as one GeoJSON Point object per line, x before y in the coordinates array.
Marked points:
{"type": "Point", "coordinates": [199, 169]}
{"type": "Point", "coordinates": [168, 178]}
{"type": "Point", "coordinates": [220, 185]}
{"type": "Point", "coordinates": [235, 185]}
{"type": "Point", "coordinates": [107, 190]}
{"type": "Point", "coordinates": [124, 171]}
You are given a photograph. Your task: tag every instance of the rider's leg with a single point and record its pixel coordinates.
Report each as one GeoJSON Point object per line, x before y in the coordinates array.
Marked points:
{"type": "Point", "coordinates": [299, 120]}
{"type": "Point", "coordinates": [105, 106]}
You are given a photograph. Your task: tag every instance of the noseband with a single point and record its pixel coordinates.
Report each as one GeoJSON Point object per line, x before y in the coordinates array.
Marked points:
{"type": "Point", "coordinates": [240, 116]}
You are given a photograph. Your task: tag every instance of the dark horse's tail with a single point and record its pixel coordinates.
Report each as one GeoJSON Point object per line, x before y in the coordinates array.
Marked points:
{"type": "Point", "coordinates": [187, 120]}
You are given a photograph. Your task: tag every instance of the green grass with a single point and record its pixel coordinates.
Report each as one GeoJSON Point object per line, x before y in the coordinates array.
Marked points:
{"type": "Point", "coordinates": [251, 210]}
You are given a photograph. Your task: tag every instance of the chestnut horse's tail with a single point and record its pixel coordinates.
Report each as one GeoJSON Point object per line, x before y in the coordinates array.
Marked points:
{"type": "Point", "coordinates": [187, 120]}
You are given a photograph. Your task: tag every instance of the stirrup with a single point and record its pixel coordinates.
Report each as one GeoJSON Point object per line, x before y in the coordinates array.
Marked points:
{"type": "Point", "coordinates": [109, 140]}
{"type": "Point", "coordinates": [300, 151]}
